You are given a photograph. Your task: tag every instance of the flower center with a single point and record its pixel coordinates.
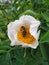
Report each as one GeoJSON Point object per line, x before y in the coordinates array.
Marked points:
{"type": "Point", "coordinates": [25, 36]}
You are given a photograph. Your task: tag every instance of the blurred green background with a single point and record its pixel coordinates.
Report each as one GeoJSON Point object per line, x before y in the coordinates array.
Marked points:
{"type": "Point", "coordinates": [24, 56]}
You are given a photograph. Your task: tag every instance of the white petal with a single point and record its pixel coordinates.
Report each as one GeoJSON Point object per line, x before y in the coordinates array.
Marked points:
{"type": "Point", "coordinates": [34, 45]}
{"type": "Point", "coordinates": [36, 23]}
{"type": "Point", "coordinates": [10, 32]}
{"type": "Point", "coordinates": [13, 28]}
{"type": "Point", "coordinates": [17, 42]}
{"type": "Point", "coordinates": [14, 42]}
{"type": "Point", "coordinates": [24, 46]}
{"type": "Point", "coordinates": [33, 29]}
{"type": "Point", "coordinates": [37, 35]}
{"type": "Point", "coordinates": [28, 20]}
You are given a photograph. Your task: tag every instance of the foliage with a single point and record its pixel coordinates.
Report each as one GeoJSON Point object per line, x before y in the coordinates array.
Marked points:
{"type": "Point", "coordinates": [24, 56]}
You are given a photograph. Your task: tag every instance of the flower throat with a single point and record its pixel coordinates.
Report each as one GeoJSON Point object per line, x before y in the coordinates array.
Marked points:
{"type": "Point", "coordinates": [24, 35]}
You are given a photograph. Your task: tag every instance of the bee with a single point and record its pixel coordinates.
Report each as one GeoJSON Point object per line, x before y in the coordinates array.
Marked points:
{"type": "Point", "coordinates": [23, 31]}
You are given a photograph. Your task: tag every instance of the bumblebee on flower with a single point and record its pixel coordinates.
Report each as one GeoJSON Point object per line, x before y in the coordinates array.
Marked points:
{"type": "Point", "coordinates": [24, 32]}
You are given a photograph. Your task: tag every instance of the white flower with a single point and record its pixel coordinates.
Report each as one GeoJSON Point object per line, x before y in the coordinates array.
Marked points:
{"type": "Point", "coordinates": [24, 31]}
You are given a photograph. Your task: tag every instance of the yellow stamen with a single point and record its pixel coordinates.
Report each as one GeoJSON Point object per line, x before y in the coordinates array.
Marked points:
{"type": "Point", "coordinates": [28, 38]}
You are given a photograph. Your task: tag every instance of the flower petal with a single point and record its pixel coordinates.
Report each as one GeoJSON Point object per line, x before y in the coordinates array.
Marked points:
{"type": "Point", "coordinates": [37, 35]}
{"type": "Point", "coordinates": [36, 23]}
{"type": "Point", "coordinates": [13, 28]}
{"type": "Point", "coordinates": [34, 45]}
{"type": "Point", "coordinates": [10, 32]}
{"type": "Point", "coordinates": [34, 28]}
{"type": "Point", "coordinates": [33, 31]}
{"type": "Point", "coordinates": [27, 20]}
{"type": "Point", "coordinates": [14, 42]}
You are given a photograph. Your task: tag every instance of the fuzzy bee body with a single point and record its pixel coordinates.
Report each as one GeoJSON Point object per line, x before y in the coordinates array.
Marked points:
{"type": "Point", "coordinates": [23, 31]}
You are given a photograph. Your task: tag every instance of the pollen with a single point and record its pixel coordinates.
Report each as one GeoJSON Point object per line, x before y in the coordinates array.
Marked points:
{"type": "Point", "coordinates": [27, 38]}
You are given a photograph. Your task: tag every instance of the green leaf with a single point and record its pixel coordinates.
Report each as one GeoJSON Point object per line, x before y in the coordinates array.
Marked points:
{"type": "Point", "coordinates": [2, 51]}
{"type": "Point", "coordinates": [46, 2]}
{"type": "Point", "coordinates": [44, 27]}
{"type": "Point", "coordinates": [44, 54]}
{"type": "Point", "coordinates": [40, 1]}
{"type": "Point", "coordinates": [30, 12]}
{"type": "Point", "coordinates": [8, 59]}
{"type": "Point", "coordinates": [46, 16]}
{"type": "Point", "coordinates": [5, 59]}
{"type": "Point", "coordinates": [48, 24]}
{"type": "Point", "coordinates": [45, 37]}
